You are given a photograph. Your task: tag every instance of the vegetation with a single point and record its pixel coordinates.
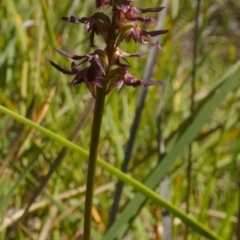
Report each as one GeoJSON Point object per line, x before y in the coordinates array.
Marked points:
{"type": "Point", "coordinates": [181, 138]}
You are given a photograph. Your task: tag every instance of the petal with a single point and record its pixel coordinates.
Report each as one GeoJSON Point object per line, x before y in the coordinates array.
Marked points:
{"type": "Point", "coordinates": [129, 17]}
{"type": "Point", "coordinates": [92, 88]}
{"type": "Point", "coordinates": [99, 63]}
{"type": "Point", "coordinates": [130, 80]}
{"type": "Point", "coordinates": [102, 16]}
{"type": "Point", "coordinates": [118, 63]}
{"type": "Point", "coordinates": [124, 7]}
{"type": "Point", "coordinates": [75, 20]}
{"type": "Point", "coordinates": [135, 83]}
{"type": "Point", "coordinates": [62, 69]}
{"type": "Point", "coordinates": [114, 77]}
{"type": "Point", "coordinates": [100, 3]}
{"type": "Point", "coordinates": [155, 33]}
{"type": "Point", "coordinates": [69, 55]}
{"type": "Point", "coordinates": [151, 44]}
{"type": "Point", "coordinates": [125, 54]}
{"type": "Point", "coordinates": [97, 82]}
{"type": "Point", "coordinates": [93, 76]}
{"type": "Point", "coordinates": [74, 67]}
{"type": "Point", "coordinates": [120, 84]}
{"type": "Point", "coordinates": [79, 78]}
{"type": "Point", "coordinates": [145, 10]}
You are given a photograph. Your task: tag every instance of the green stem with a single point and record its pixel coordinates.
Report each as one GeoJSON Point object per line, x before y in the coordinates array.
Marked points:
{"type": "Point", "coordinates": [96, 126]}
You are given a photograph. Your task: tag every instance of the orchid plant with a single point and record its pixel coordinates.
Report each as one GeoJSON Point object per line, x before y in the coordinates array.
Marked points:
{"type": "Point", "coordinates": [108, 68]}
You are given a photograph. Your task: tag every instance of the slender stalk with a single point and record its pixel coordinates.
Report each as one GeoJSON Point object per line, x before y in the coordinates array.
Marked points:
{"type": "Point", "coordinates": [96, 126]}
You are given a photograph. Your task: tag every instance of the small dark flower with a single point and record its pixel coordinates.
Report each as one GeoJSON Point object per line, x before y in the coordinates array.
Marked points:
{"type": "Point", "coordinates": [92, 76]}
{"type": "Point", "coordinates": [130, 31]}
{"type": "Point", "coordinates": [120, 54]}
{"type": "Point", "coordinates": [121, 76]}
{"type": "Point", "coordinates": [98, 23]}
{"type": "Point", "coordinates": [126, 11]}
{"type": "Point", "coordinates": [98, 57]}
{"type": "Point", "coordinates": [130, 80]}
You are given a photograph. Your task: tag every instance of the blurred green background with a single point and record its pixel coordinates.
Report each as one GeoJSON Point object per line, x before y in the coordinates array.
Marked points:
{"type": "Point", "coordinates": [30, 30]}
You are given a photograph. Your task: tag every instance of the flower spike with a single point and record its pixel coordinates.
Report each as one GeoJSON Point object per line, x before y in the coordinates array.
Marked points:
{"type": "Point", "coordinates": [109, 68]}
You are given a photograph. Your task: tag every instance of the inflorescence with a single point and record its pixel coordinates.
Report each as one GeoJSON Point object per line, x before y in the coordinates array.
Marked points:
{"type": "Point", "coordinates": [106, 68]}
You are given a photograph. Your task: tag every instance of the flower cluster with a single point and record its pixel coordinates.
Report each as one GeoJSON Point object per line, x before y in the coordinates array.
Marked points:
{"type": "Point", "coordinates": [106, 68]}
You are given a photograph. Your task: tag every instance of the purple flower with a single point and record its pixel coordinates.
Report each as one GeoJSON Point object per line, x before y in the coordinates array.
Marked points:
{"type": "Point", "coordinates": [120, 54]}
{"type": "Point", "coordinates": [98, 23]}
{"type": "Point", "coordinates": [128, 12]}
{"type": "Point", "coordinates": [121, 76]}
{"type": "Point", "coordinates": [131, 30]}
{"type": "Point", "coordinates": [92, 76]}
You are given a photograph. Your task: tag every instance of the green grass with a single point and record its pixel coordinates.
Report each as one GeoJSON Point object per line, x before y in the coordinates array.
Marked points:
{"type": "Point", "coordinates": [31, 89]}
